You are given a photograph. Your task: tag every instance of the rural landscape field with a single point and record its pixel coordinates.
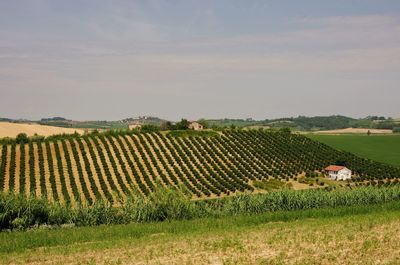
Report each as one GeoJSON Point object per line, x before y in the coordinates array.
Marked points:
{"type": "Point", "coordinates": [199, 132]}
{"type": "Point", "coordinates": [382, 148]}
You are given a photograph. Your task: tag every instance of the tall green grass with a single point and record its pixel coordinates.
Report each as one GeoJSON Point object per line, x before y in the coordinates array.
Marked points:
{"type": "Point", "coordinates": [17, 212]}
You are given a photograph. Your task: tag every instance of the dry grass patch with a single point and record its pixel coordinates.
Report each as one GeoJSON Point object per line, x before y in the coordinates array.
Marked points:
{"type": "Point", "coordinates": [9, 129]}
{"type": "Point", "coordinates": [364, 239]}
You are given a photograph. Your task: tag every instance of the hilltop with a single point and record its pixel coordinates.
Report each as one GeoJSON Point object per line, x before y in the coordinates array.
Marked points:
{"type": "Point", "coordinates": [114, 165]}
{"type": "Point", "coordinates": [303, 123]}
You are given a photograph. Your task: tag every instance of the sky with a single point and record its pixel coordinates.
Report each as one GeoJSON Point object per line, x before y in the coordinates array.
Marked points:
{"type": "Point", "coordinates": [109, 60]}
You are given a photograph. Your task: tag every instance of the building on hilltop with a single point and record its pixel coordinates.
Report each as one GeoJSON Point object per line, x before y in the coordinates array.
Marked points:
{"type": "Point", "coordinates": [194, 125]}
{"type": "Point", "coordinates": [337, 172]}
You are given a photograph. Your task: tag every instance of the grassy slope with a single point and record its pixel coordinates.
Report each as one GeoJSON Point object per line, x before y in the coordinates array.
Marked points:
{"type": "Point", "coordinates": [352, 235]}
{"type": "Point", "coordinates": [382, 148]}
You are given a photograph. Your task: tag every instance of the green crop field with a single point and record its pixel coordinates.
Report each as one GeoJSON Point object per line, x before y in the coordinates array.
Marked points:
{"type": "Point", "coordinates": [346, 235]}
{"type": "Point", "coordinates": [382, 148]}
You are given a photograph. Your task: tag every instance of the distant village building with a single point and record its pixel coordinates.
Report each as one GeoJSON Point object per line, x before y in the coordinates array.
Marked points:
{"type": "Point", "coordinates": [338, 172]}
{"type": "Point", "coordinates": [194, 125]}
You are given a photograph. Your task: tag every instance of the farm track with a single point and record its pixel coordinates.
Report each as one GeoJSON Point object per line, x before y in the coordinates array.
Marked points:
{"type": "Point", "coordinates": [111, 167]}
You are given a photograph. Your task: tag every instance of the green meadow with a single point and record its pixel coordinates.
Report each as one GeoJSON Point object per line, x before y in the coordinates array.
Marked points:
{"type": "Point", "coordinates": [345, 235]}
{"type": "Point", "coordinates": [382, 148]}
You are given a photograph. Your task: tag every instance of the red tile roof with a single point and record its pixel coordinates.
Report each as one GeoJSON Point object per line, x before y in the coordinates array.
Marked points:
{"type": "Point", "coordinates": [334, 168]}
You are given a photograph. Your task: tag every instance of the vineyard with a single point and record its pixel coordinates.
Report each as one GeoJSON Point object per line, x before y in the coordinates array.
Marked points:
{"type": "Point", "coordinates": [114, 165]}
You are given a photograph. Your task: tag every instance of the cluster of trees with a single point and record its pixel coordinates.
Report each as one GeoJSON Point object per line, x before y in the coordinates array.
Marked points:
{"type": "Point", "coordinates": [183, 124]}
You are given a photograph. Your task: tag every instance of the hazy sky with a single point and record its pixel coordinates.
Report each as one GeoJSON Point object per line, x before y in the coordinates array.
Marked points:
{"type": "Point", "coordinates": [214, 59]}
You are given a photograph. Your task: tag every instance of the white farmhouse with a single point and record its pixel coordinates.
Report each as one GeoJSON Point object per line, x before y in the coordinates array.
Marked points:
{"type": "Point", "coordinates": [338, 172]}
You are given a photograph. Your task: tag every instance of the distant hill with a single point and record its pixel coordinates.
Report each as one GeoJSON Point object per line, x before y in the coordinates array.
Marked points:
{"type": "Point", "coordinates": [304, 123]}
{"type": "Point", "coordinates": [53, 119]}
{"type": "Point", "coordinates": [144, 120]}
{"type": "Point", "coordinates": [300, 123]}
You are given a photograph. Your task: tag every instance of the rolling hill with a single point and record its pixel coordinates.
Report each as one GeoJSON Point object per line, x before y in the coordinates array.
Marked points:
{"type": "Point", "coordinates": [114, 165]}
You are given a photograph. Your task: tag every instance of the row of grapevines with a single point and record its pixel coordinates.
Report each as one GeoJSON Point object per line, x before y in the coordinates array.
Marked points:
{"type": "Point", "coordinates": [51, 171]}
{"type": "Point", "coordinates": [85, 187]}
{"type": "Point", "coordinates": [32, 170]}
{"type": "Point", "coordinates": [141, 167]}
{"type": "Point", "coordinates": [190, 171]}
{"type": "Point", "coordinates": [142, 187]}
{"type": "Point", "coordinates": [121, 163]}
{"type": "Point", "coordinates": [3, 166]}
{"type": "Point", "coordinates": [12, 178]}
{"type": "Point", "coordinates": [22, 179]}
{"type": "Point", "coordinates": [70, 176]}
{"type": "Point", "coordinates": [117, 175]}
{"type": "Point", "coordinates": [176, 164]}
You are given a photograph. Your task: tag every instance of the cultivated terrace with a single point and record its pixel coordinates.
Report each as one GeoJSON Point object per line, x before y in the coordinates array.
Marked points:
{"type": "Point", "coordinates": [114, 165]}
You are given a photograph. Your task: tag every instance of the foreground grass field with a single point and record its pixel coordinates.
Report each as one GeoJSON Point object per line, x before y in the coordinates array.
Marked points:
{"type": "Point", "coordinates": [382, 148]}
{"type": "Point", "coordinates": [347, 235]}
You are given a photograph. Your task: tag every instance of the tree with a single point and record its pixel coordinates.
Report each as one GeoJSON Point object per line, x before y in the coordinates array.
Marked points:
{"type": "Point", "coordinates": [285, 130]}
{"type": "Point", "coordinates": [22, 138]}
{"type": "Point", "coordinates": [165, 126]}
{"type": "Point", "coordinates": [149, 128]}
{"type": "Point", "coordinates": [182, 125]}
